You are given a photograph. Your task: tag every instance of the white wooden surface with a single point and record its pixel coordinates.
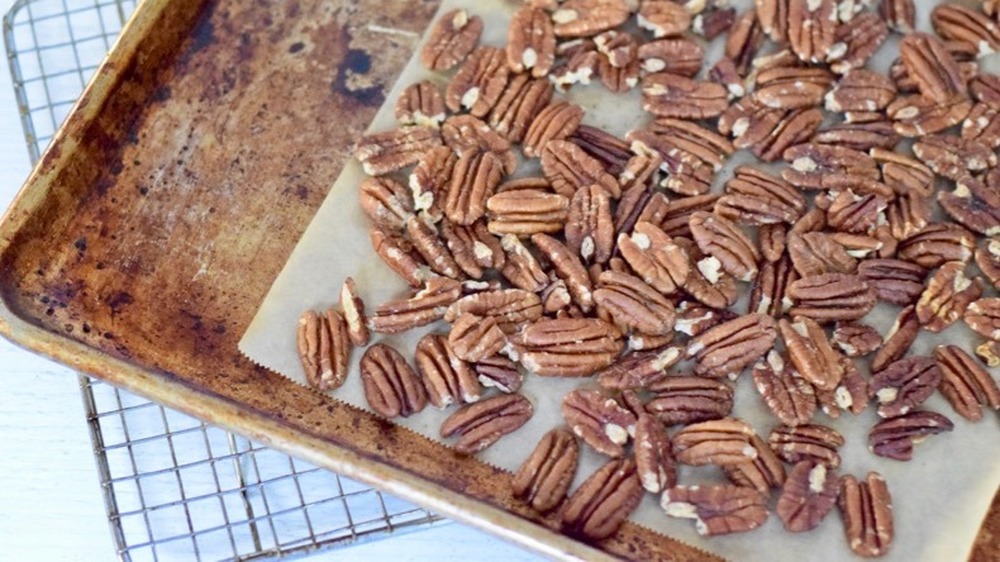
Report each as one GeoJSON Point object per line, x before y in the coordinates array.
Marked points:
{"type": "Point", "coordinates": [50, 502]}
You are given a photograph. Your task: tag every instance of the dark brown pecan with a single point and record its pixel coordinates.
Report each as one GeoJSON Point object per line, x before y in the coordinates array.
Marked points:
{"type": "Point", "coordinates": [479, 82]}
{"type": "Point", "coordinates": [545, 476]}
{"type": "Point", "coordinates": [465, 133]}
{"type": "Point", "coordinates": [725, 73]}
{"type": "Point", "coordinates": [473, 338]}
{"type": "Point", "coordinates": [949, 292]}
{"type": "Point", "coordinates": [787, 395]}
{"type": "Point", "coordinates": [894, 438]}
{"type": "Point", "coordinates": [773, 241]}
{"type": "Point", "coordinates": [473, 247]}
{"type": "Point", "coordinates": [589, 225]}
{"type": "Point", "coordinates": [426, 242]}
{"type": "Point", "coordinates": [768, 293]}
{"type": "Point", "coordinates": [683, 400]}
{"type": "Point", "coordinates": [831, 297]}
{"type": "Point", "coordinates": [856, 213]}
{"type": "Point", "coordinates": [585, 18]}
{"type": "Point", "coordinates": [557, 121]}
{"type": "Point", "coordinates": [726, 349]}
{"type": "Point", "coordinates": [672, 95]}
{"type": "Point", "coordinates": [654, 457]}
{"type": "Point", "coordinates": [983, 317]}
{"type": "Point", "coordinates": [599, 420]}
{"type": "Point", "coordinates": [812, 27]}
{"type": "Point", "coordinates": [421, 104]}
{"type": "Point", "coordinates": [856, 339]}
{"type": "Point", "coordinates": [721, 442]}
{"type": "Point", "coordinates": [713, 22]}
{"type": "Point", "coordinates": [481, 424]}
{"type": "Point", "coordinates": [860, 136]}
{"type": "Point", "coordinates": [986, 88]}
{"type": "Point", "coordinates": [639, 370]}
{"type": "Point", "coordinates": [682, 142]}
{"type": "Point", "coordinates": [762, 473]}
{"type": "Point", "coordinates": [936, 244]}
{"type": "Point", "coordinates": [975, 203]}
{"type": "Point", "coordinates": [954, 157]}
{"type": "Point", "coordinates": [526, 211]}
{"type": "Point", "coordinates": [717, 509]}
{"type": "Point", "coordinates": [389, 151]}
{"type": "Point", "coordinates": [934, 69]}
{"type": "Point", "coordinates": [900, 15]}
{"type": "Point", "coordinates": [988, 259]}
{"type": "Point", "coordinates": [902, 173]}
{"type": "Point", "coordinates": [809, 493]}
{"type": "Point", "coordinates": [889, 244]}
{"type": "Point", "coordinates": [569, 168]}
{"type": "Point", "coordinates": [664, 19]}
{"type": "Point", "coordinates": [474, 179]}
{"type": "Point", "coordinates": [983, 125]}
{"type": "Point", "coordinates": [531, 44]}
{"type": "Point", "coordinates": [569, 347]}
{"type": "Point", "coordinates": [673, 216]}
{"type": "Point", "coordinates": [756, 197]}
{"type": "Point", "coordinates": [745, 37]}
{"type": "Point", "coordinates": [512, 308]}
{"type": "Point", "coordinates": [423, 307]}
{"type": "Point", "coordinates": [810, 352]}
{"type": "Point", "coordinates": [689, 163]}
{"type": "Point", "coordinates": [899, 339]}
{"type": "Point", "coordinates": [896, 281]}
{"type": "Point", "coordinates": [447, 378]}
{"type": "Point", "coordinates": [814, 220]}
{"type": "Point", "coordinates": [856, 41]}
{"type": "Point", "coordinates": [634, 304]}
{"type": "Point", "coordinates": [521, 267]}
{"type": "Point", "coordinates": [965, 383]}
{"type": "Point", "coordinates": [605, 499]}
{"type": "Point", "coordinates": [706, 281]}
{"type": "Point", "coordinates": [866, 509]}
{"type": "Point", "coordinates": [816, 166]}
{"type": "Point", "coordinates": [963, 24]}
{"type": "Point", "coordinates": [916, 116]}
{"type": "Point", "coordinates": [808, 442]}
{"type": "Point", "coordinates": [904, 385]}
{"type": "Point", "coordinates": [678, 55]}
{"type": "Point", "coordinates": [518, 105]}
{"type": "Point", "coordinates": [499, 372]}
{"type": "Point", "coordinates": [641, 172]}
{"type": "Point", "coordinates": [324, 348]}
{"type": "Point", "coordinates": [724, 241]}
{"type": "Point", "coordinates": [816, 253]}
{"type": "Point", "coordinates": [569, 268]}
{"type": "Point", "coordinates": [610, 151]}
{"type": "Point", "coordinates": [391, 386]}
{"type": "Point", "coordinates": [453, 37]}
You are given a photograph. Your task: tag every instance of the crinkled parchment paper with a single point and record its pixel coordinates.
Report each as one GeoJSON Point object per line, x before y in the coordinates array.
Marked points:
{"type": "Point", "coordinates": [939, 498]}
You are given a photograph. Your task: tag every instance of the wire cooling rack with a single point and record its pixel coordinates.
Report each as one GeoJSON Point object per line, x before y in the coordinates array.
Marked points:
{"type": "Point", "coordinates": [174, 487]}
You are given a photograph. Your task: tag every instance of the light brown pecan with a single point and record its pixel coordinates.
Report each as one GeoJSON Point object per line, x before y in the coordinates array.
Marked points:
{"type": "Point", "coordinates": [894, 438]}
{"type": "Point", "coordinates": [622, 78]}
{"type": "Point", "coordinates": [831, 297]}
{"type": "Point", "coordinates": [589, 225]}
{"type": "Point", "coordinates": [706, 281]}
{"type": "Point", "coordinates": [473, 338]}
{"type": "Point", "coordinates": [816, 253]}
{"type": "Point", "coordinates": [850, 395]}
{"type": "Point", "coordinates": [386, 202]}
{"type": "Point", "coordinates": [642, 342]}
{"type": "Point", "coordinates": [426, 242]}
{"type": "Point", "coordinates": [447, 378]}
{"type": "Point", "coordinates": [568, 347]}
{"type": "Point", "coordinates": [475, 177]}
{"type": "Point", "coordinates": [809, 351]}
{"type": "Point", "coordinates": [569, 168]}
{"type": "Point", "coordinates": [904, 385]}
{"type": "Point", "coordinates": [762, 474]}
{"type": "Point", "coordinates": [422, 308]}
{"type": "Point", "coordinates": [512, 308]}
{"type": "Point", "coordinates": [954, 157]}
{"type": "Point", "coordinates": [678, 55]}
{"type": "Point", "coordinates": [812, 26]}
{"type": "Point", "coordinates": [807, 442]}
{"type": "Point", "coordinates": [856, 41]}
{"type": "Point", "coordinates": [975, 203]}
{"type": "Point", "coordinates": [526, 211]}
{"type": "Point", "coordinates": [898, 340]}
{"type": "Point", "coordinates": [983, 125]}
{"type": "Point", "coordinates": [689, 143]}
{"type": "Point", "coordinates": [792, 87]}
{"type": "Point", "coordinates": [479, 82]}
{"type": "Point", "coordinates": [916, 116]}
{"type": "Point", "coordinates": [988, 259]}
{"type": "Point", "coordinates": [814, 220]}
{"type": "Point", "coordinates": [818, 166]}
{"type": "Point", "coordinates": [324, 348]}
{"type": "Point", "coordinates": [717, 509]}
{"type": "Point", "coordinates": [686, 172]}
{"type": "Point", "coordinates": [989, 352]}
{"type": "Point", "coordinates": [723, 240]}
{"type": "Point", "coordinates": [809, 493]}
{"type": "Point", "coordinates": [531, 43]}
{"type": "Point", "coordinates": [639, 370]}
{"type": "Point", "coordinates": [518, 105]}
{"type": "Point", "coordinates": [931, 66]}
{"type": "Point", "coordinates": [856, 213]}
{"type": "Point", "coordinates": [610, 151]}
{"type": "Point", "coordinates": [900, 15]}
{"type": "Point", "coordinates": [673, 217]}
{"type": "Point", "coordinates": [577, 65]}
{"type": "Point", "coordinates": [569, 268]}
{"type": "Point", "coordinates": [545, 476]}
{"type": "Point", "coordinates": [634, 304]}
{"type": "Point", "coordinates": [866, 509]}
{"type": "Point", "coordinates": [721, 442]}
{"type": "Point", "coordinates": [400, 256]}
{"type": "Point", "coordinates": [963, 24]}
{"type": "Point", "coordinates": [499, 372]}
{"type": "Point", "coordinates": [389, 151]}
{"type": "Point", "coordinates": [902, 173]}
{"type": "Point", "coordinates": [429, 182]}
{"type": "Point", "coordinates": [654, 456]}
{"type": "Point", "coordinates": [664, 19]}
{"type": "Point", "coordinates": [654, 257]}
{"type": "Point", "coordinates": [896, 281]}
{"type": "Point", "coordinates": [755, 197]}
{"type": "Point", "coordinates": [773, 241]}
{"type": "Point", "coordinates": [671, 95]}
{"type": "Point", "coordinates": [745, 37]}
{"type": "Point", "coordinates": [860, 136]}
{"type": "Point", "coordinates": [949, 292]}
{"type": "Point", "coordinates": [965, 383]}
{"type": "Point", "coordinates": [618, 49]}
{"type": "Point", "coordinates": [789, 397]}
{"type": "Point", "coordinates": [354, 313]}
{"type": "Point", "coordinates": [683, 400]}
{"type": "Point", "coordinates": [889, 244]}
{"type": "Point", "coordinates": [773, 18]}
{"type": "Point", "coordinates": [936, 244]}
{"type": "Point", "coordinates": [473, 247]}
{"type": "Point", "coordinates": [727, 348]}
{"type": "Point", "coordinates": [453, 37]}
{"type": "Point", "coordinates": [420, 104]}
{"type": "Point", "coordinates": [391, 386]}
{"type": "Point", "coordinates": [769, 288]}
{"type": "Point", "coordinates": [586, 18]}
{"type": "Point", "coordinates": [605, 499]}
{"type": "Point", "coordinates": [521, 267]}
{"type": "Point", "coordinates": [599, 420]}
{"type": "Point", "coordinates": [557, 121]}
{"type": "Point", "coordinates": [481, 424]}
{"type": "Point", "coordinates": [983, 317]}
{"type": "Point", "coordinates": [991, 7]}
{"type": "Point", "coordinates": [466, 133]}
{"type": "Point", "coordinates": [856, 339]}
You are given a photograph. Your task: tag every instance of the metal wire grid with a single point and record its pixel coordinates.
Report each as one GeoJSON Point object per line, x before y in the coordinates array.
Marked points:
{"type": "Point", "coordinates": [174, 487]}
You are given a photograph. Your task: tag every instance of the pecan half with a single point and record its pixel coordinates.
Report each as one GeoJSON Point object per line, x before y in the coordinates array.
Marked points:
{"type": "Point", "coordinates": [983, 317]}
{"type": "Point", "coordinates": [773, 241]}
{"type": "Point", "coordinates": [569, 168]}
{"type": "Point", "coordinates": [524, 212]}
{"type": "Point", "coordinates": [473, 338]}
{"type": "Point", "coordinates": [324, 348]}
{"type": "Point", "coordinates": [655, 257]}
{"type": "Point", "coordinates": [810, 352]}
{"type": "Point", "coordinates": [521, 268]}
{"type": "Point", "coordinates": [682, 400]}
{"type": "Point", "coordinates": [429, 182]}
{"type": "Point", "coordinates": [612, 152]}
{"type": "Point", "coordinates": [856, 213]}
{"type": "Point", "coordinates": [916, 116]}
{"type": "Point", "coordinates": [860, 136]}
{"type": "Point", "coordinates": [959, 23]}
{"type": "Point", "coordinates": [896, 281]}
{"type": "Point", "coordinates": [390, 151]}
{"type": "Point", "coordinates": [664, 19]}
{"type": "Point", "coordinates": [721, 442]}
{"type": "Point", "coordinates": [473, 247]}
{"type": "Point", "coordinates": [479, 82]}
{"type": "Point", "coordinates": [585, 18]}
{"type": "Point", "coordinates": [474, 179]}
{"type": "Point", "coordinates": [965, 383]}
{"type": "Point", "coordinates": [949, 292]}
{"type": "Point", "coordinates": [902, 173]}
{"type": "Point", "coordinates": [423, 307]}
{"type": "Point", "coordinates": [866, 509]}
{"type": "Point", "coordinates": [831, 297]}
{"type": "Point", "coordinates": [727, 348]}
{"type": "Point", "coordinates": [900, 15]}
{"type": "Point", "coordinates": [400, 256]}
{"type": "Point", "coordinates": [717, 510]}
{"type": "Point", "coordinates": [511, 308]}
{"type": "Point", "coordinates": [453, 37]}
{"type": "Point", "coordinates": [713, 22]}
{"type": "Point", "coordinates": [899, 338]}
{"type": "Point", "coordinates": [722, 239]}
{"type": "Point", "coordinates": [755, 197]}
{"type": "Point", "coordinates": [789, 397]}
{"type": "Point", "coordinates": [954, 157]}
{"type": "Point", "coordinates": [678, 55]}
{"type": "Point", "coordinates": [982, 125]}
{"type": "Point", "coordinates": [817, 253]}
{"type": "Point", "coordinates": [822, 166]}
{"type": "Point", "coordinates": [904, 385]}
{"type": "Point", "coordinates": [673, 216]}
{"type": "Point", "coordinates": [568, 347]}
{"type": "Point", "coordinates": [807, 442]}
{"type": "Point", "coordinates": [654, 458]}
{"type": "Point", "coordinates": [605, 499]}
{"type": "Point", "coordinates": [792, 87]}
{"type": "Point", "coordinates": [481, 424]}
{"type": "Point", "coordinates": [894, 438]}
{"type": "Point", "coordinates": [531, 43]}
{"type": "Point", "coordinates": [671, 95]}
{"type": "Point", "coordinates": [762, 473]}
{"type": "Point", "coordinates": [391, 386]}
{"type": "Point", "coordinates": [432, 249]}
{"type": "Point", "coordinates": [706, 281]}
{"type": "Point", "coordinates": [975, 204]}
{"type": "Point", "coordinates": [499, 372]}
{"type": "Point", "coordinates": [354, 313]}
{"type": "Point", "coordinates": [545, 476]}
{"type": "Point", "coordinates": [589, 225]}
{"type": "Point", "coordinates": [618, 67]}
{"type": "Point", "coordinates": [420, 104]}
{"type": "Point", "coordinates": [599, 420]}
{"type": "Point", "coordinates": [809, 493]}
{"type": "Point", "coordinates": [569, 268]}
{"type": "Point", "coordinates": [768, 293]}
{"type": "Point", "coordinates": [447, 378]}
{"type": "Point", "coordinates": [931, 66]}
{"type": "Point", "coordinates": [936, 244]}
{"type": "Point", "coordinates": [556, 121]}
{"type": "Point", "coordinates": [988, 259]}
{"type": "Point", "coordinates": [745, 37]}
{"type": "Point", "coordinates": [773, 18]}
{"type": "Point", "coordinates": [466, 133]}
{"type": "Point", "coordinates": [633, 303]}
{"type": "Point", "coordinates": [856, 41]}
{"type": "Point", "coordinates": [812, 27]}
{"type": "Point", "coordinates": [856, 339]}
{"type": "Point", "coordinates": [639, 370]}
{"type": "Point", "coordinates": [518, 105]}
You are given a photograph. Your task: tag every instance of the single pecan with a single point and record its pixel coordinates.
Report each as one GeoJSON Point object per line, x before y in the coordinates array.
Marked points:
{"type": "Point", "coordinates": [856, 213]}
{"type": "Point", "coordinates": [769, 288]}
{"type": "Point", "coordinates": [706, 281]}
{"type": "Point", "coordinates": [576, 63]}
{"type": "Point", "coordinates": [745, 37]}
{"type": "Point", "coordinates": [866, 509]}
{"type": "Point", "coordinates": [499, 372]}
{"type": "Point", "coordinates": [860, 136]}
{"type": "Point", "coordinates": [812, 28]}
{"type": "Point", "coordinates": [432, 249]}
{"type": "Point", "coordinates": [931, 66]}
{"type": "Point", "coordinates": [889, 243]}
{"type": "Point", "coordinates": [447, 378]}
{"type": "Point", "coordinates": [810, 352]}
{"type": "Point", "coordinates": [792, 87]}
{"type": "Point", "coordinates": [682, 400]}
{"type": "Point", "coordinates": [673, 217]}
{"type": "Point", "coordinates": [664, 19]}
{"type": "Point", "coordinates": [727, 348]}
{"type": "Point", "coordinates": [807, 442]}
{"type": "Point", "coordinates": [989, 352]}
{"type": "Point", "coordinates": [898, 340]}
{"type": "Point", "coordinates": [963, 24]}
{"type": "Point", "coordinates": [389, 151]}
{"type": "Point", "coordinates": [902, 173]}
{"type": "Point", "coordinates": [479, 82]}
{"type": "Point", "coordinates": [511, 308]}
{"type": "Point", "coordinates": [936, 244]}
{"type": "Point", "coordinates": [756, 197]}
{"type": "Point", "coordinates": [721, 442]}
{"type": "Point", "coordinates": [773, 18]}
{"type": "Point", "coordinates": [831, 297]}
{"type": "Point", "coordinates": [474, 179]}
{"type": "Point", "coordinates": [900, 15]}
{"type": "Point", "coordinates": [599, 420]}
{"type": "Point", "coordinates": [481, 424]}
{"type": "Point", "coordinates": [809, 493]}
{"type": "Point", "coordinates": [531, 43]}
{"type": "Point", "coordinates": [473, 338]}
{"type": "Point", "coordinates": [589, 225]}
{"type": "Point", "coordinates": [324, 348]}
{"type": "Point", "coordinates": [975, 203]}
{"type": "Point", "coordinates": [723, 240]}
{"type": "Point", "coordinates": [988, 259]}
{"type": "Point", "coordinates": [986, 89]}
{"type": "Point", "coordinates": [420, 103]}
{"type": "Point", "coordinates": [526, 211]}
{"type": "Point", "coordinates": [789, 397]}
{"type": "Point", "coordinates": [894, 438]}
{"type": "Point", "coordinates": [983, 317]}
{"type": "Point", "coordinates": [671, 95]}
{"type": "Point", "coordinates": [856, 41]}
{"type": "Point", "coordinates": [521, 268]}
{"type": "Point", "coordinates": [454, 35]}
{"type": "Point", "coordinates": [399, 255]}
{"type": "Point", "coordinates": [821, 166]}
{"type": "Point", "coordinates": [904, 385]}
{"type": "Point", "coordinates": [717, 509]}
{"type": "Point", "coordinates": [762, 473]}
{"type": "Point", "coordinates": [429, 180]}
{"type": "Point", "coordinates": [569, 268]}
{"type": "Point", "coordinates": [634, 304]}
{"type": "Point", "coordinates": [965, 383]}
{"type": "Point", "coordinates": [617, 78]}
{"type": "Point", "coordinates": [605, 499]}
{"type": "Point", "coordinates": [422, 308]}
{"type": "Point", "coordinates": [693, 317]}
{"type": "Point", "coordinates": [354, 313]}
{"type": "Point", "coordinates": [983, 125]}
{"type": "Point", "coordinates": [642, 342]}
{"type": "Point", "coordinates": [568, 347]}
{"type": "Point", "coordinates": [813, 221]}
{"type": "Point", "coordinates": [654, 457]}
{"type": "Point", "coordinates": [896, 281]}
{"type": "Point", "coordinates": [640, 174]}
{"type": "Point", "coordinates": [522, 99]}
{"type": "Point", "coordinates": [678, 55]}
{"type": "Point", "coordinates": [725, 73]}
{"type": "Point", "coordinates": [773, 242]}
{"type": "Point", "coordinates": [466, 133]}
{"type": "Point", "coordinates": [639, 370]}
{"type": "Point", "coordinates": [689, 143]}
{"type": "Point", "coordinates": [585, 18]}
{"type": "Point", "coordinates": [713, 22]}
{"type": "Point", "coordinates": [473, 247]}
{"type": "Point", "coordinates": [610, 151]}
{"type": "Point", "coordinates": [391, 386]}
{"type": "Point", "coordinates": [916, 116]}
{"type": "Point", "coordinates": [556, 121]}
{"type": "Point", "coordinates": [686, 172]}
{"type": "Point", "coordinates": [545, 476]}
{"type": "Point", "coordinates": [856, 339]}
{"type": "Point", "coordinates": [816, 253]}
{"type": "Point", "coordinates": [954, 157]}
{"type": "Point", "coordinates": [850, 395]}
{"type": "Point", "coordinates": [949, 292]}
{"type": "Point", "coordinates": [569, 168]}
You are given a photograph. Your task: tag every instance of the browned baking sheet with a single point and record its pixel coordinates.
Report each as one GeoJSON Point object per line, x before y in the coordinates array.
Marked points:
{"type": "Point", "coordinates": [142, 244]}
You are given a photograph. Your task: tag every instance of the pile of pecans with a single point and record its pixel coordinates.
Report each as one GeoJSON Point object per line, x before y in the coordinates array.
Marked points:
{"type": "Point", "coordinates": [618, 262]}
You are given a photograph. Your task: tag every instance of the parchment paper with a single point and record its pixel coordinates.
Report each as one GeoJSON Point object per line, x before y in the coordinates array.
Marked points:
{"type": "Point", "coordinates": [940, 497]}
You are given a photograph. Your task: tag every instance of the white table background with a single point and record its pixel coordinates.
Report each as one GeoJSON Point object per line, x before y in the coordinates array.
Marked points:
{"type": "Point", "coordinates": [51, 507]}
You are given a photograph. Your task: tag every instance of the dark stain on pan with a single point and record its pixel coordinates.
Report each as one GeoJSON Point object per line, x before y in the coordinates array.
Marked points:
{"type": "Point", "coordinates": [357, 62]}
